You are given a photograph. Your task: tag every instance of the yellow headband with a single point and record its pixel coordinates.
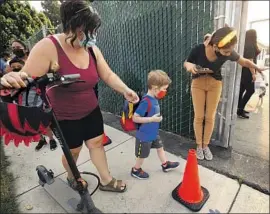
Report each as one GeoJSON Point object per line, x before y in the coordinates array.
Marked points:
{"type": "Point", "coordinates": [228, 38]}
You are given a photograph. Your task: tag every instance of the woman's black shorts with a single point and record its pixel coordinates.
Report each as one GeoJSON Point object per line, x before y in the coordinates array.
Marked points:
{"type": "Point", "coordinates": [78, 131]}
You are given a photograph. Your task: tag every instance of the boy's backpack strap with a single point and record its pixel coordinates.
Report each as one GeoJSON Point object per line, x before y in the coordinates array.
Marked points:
{"type": "Point", "coordinates": [149, 105]}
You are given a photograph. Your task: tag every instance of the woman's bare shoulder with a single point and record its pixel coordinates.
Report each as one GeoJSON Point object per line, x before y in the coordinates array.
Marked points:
{"type": "Point", "coordinates": [40, 58]}
{"type": "Point", "coordinates": [45, 45]}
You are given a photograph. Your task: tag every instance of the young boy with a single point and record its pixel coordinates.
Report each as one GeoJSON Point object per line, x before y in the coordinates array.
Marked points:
{"type": "Point", "coordinates": [148, 118]}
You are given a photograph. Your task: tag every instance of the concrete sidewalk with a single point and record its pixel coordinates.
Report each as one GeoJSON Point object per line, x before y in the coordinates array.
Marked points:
{"type": "Point", "coordinates": [142, 196]}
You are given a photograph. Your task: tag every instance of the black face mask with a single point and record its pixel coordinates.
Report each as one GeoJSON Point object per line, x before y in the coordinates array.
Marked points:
{"type": "Point", "coordinates": [16, 69]}
{"type": "Point", "coordinates": [218, 54]}
{"type": "Point", "coordinates": [19, 53]}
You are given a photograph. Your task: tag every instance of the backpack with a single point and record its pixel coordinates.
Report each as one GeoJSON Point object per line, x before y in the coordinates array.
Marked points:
{"type": "Point", "coordinates": [128, 111]}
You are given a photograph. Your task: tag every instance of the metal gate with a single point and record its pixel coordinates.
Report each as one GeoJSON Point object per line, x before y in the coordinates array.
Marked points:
{"type": "Point", "coordinates": [233, 13]}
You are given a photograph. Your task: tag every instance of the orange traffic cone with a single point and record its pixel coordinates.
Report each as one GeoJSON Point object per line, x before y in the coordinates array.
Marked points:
{"type": "Point", "coordinates": [189, 192]}
{"type": "Point", "coordinates": [106, 140]}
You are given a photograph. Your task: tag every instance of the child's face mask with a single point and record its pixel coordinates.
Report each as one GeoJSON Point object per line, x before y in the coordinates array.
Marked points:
{"type": "Point", "coordinates": [161, 93]}
{"type": "Point", "coordinates": [16, 69]}
{"type": "Point", "coordinates": [18, 52]}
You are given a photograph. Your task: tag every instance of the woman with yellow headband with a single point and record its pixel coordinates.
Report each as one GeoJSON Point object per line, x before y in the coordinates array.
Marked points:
{"type": "Point", "coordinates": [204, 62]}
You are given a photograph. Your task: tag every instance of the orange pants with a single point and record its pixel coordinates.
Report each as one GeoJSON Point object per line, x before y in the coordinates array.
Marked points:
{"type": "Point", "coordinates": [206, 92]}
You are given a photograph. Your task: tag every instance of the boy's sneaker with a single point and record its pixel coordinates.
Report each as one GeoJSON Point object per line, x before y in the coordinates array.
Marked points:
{"type": "Point", "coordinates": [200, 155]}
{"type": "Point", "coordinates": [207, 153]}
{"type": "Point", "coordinates": [139, 173]}
{"type": "Point", "coordinates": [169, 165]}
{"type": "Point", "coordinates": [41, 143]}
{"type": "Point", "coordinates": [53, 145]}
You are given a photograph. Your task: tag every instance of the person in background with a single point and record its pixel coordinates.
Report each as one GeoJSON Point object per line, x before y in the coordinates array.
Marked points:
{"type": "Point", "coordinates": [19, 49]}
{"type": "Point", "coordinates": [16, 64]}
{"type": "Point", "coordinates": [21, 52]}
{"type": "Point", "coordinates": [251, 51]}
{"type": "Point", "coordinates": [43, 141]}
{"type": "Point", "coordinates": [4, 62]}
{"type": "Point", "coordinates": [206, 87]}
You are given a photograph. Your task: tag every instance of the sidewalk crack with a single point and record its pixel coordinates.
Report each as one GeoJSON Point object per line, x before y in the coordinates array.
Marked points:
{"type": "Point", "coordinates": [235, 197]}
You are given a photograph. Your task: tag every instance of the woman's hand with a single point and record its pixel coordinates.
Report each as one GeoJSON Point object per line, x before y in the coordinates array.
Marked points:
{"type": "Point", "coordinates": [111, 79]}
{"type": "Point", "coordinates": [14, 80]}
{"type": "Point", "coordinates": [248, 63]}
{"type": "Point", "coordinates": [262, 69]}
{"type": "Point", "coordinates": [131, 96]}
{"type": "Point", "coordinates": [253, 77]}
{"type": "Point", "coordinates": [190, 67]}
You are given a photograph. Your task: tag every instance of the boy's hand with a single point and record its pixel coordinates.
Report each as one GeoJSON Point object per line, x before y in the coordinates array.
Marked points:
{"type": "Point", "coordinates": [157, 118]}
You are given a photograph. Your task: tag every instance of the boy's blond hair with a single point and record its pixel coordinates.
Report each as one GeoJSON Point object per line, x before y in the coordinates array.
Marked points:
{"type": "Point", "coordinates": [158, 78]}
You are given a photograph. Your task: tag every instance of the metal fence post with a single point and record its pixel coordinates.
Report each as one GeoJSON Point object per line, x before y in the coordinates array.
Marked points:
{"type": "Point", "coordinates": [236, 17]}
{"type": "Point", "coordinates": [241, 46]}
{"type": "Point", "coordinates": [220, 22]}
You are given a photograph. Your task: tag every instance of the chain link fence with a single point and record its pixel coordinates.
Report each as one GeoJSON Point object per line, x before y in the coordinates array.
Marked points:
{"type": "Point", "coordinates": [138, 36]}
{"type": "Point", "coordinates": [43, 32]}
{"type": "Point", "coordinates": [30, 42]}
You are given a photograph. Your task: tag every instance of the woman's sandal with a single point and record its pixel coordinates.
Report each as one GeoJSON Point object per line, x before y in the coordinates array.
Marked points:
{"type": "Point", "coordinates": [73, 184]}
{"type": "Point", "coordinates": [111, 186]}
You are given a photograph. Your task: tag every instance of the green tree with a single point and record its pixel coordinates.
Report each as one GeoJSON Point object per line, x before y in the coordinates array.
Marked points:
{"type": "Point", "coordinates": [51, 9]}
{"type": "Point", "coordinates": [18, 20]}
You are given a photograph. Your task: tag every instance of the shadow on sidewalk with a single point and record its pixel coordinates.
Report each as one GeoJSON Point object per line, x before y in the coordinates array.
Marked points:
{"type": "Point", "coordinates": [248, 170]}
{"type": "Point", "coordinates": [8, 200]}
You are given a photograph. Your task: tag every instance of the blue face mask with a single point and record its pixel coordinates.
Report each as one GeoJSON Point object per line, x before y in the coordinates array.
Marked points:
{"type": "Point", "coordinates": [91, 42]}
